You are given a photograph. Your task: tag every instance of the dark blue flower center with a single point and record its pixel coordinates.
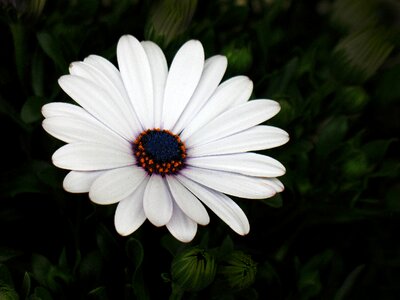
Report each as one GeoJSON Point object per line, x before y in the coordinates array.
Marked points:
{"type": "Point", "coordinates": [161, 146]}
{"type": "Point", "coordinates": [159, 151]}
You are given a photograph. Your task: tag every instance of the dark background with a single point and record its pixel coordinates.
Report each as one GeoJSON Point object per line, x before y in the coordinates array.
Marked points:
{"type": "Point", "coordinates": [334, 66]}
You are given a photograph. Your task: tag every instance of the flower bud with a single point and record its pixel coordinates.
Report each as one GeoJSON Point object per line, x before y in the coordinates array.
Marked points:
{"type": "Point", "coordinates": [360, 54]}
{"type": "Point", "coordinates": [193, 269]}
{"type": "Point", "coordinates": [24, 9]}
{"type": "Point", "coordinates": [239, 270]}
{"type": "Point", "coordinates": [168, 19]}
{"type": "Point", "coordinates": [33, 8]}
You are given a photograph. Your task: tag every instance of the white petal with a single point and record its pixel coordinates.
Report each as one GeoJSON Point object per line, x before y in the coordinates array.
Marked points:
{"type": "Point", "coordinates": [80, 182]}
{"type": "Point", "coordinates": [159, 72]}
{"type": "Point", "coordinates": [115, 185]}
{"type": "Point", "coordinates": [231, 183]}
{"type": "Point", "coordinates": [107, 68]}
{"type": "Point", "coordinates": [157, 201]}
{"type": "Point", "coordinates": [276, 184]}
{"type": "Point", "coordinates": [63, 109]}
{"type": "Point", "coordinates": [187, 202]}
{"type": "Point", "coordinates": [92, 157]}
{"type": "Point", "coordinates": [223, 206]}
{"type": "Point", "coordinates": [116, 95]}
{"type": "Point", "coordinates": [251, 164]}
{"type": "Point", "coordinates": [236, 90]}
{"type": "Point", "coordinates": [84, 128]}
{"type": "Point", "coordinates": [214, 69]}
{"type": "Point", "coordinates": [180, 226]}
{"type": "Point", "coordinates": [136, 75]}
{"type": "Point", "coordinates": [252, 139]}
{"type": "Point", "coordinates": [182, 80]}
{"type": "Point", "coordinates": [232, 121]}
{"type": "Point", "coordinates": [129, 215]}
{"type": "Point", "coordinates": [62, 121]}
{"type": "Point", "coordinates": [113, 74]}
{"type": "Point", "coordinates": [97, 102]}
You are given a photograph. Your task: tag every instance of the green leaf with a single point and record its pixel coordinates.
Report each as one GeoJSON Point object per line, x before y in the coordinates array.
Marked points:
{"type": "Point", "coordinates": [87, 8]}
{"type": "Point", "coordinates": [48, 174]}
{"type": "Point", "coordinates": [393, 198]}
{"type": "Point", "coordinates": [29, 178]}
{"type": "Point", "coordinates": [239, 57]}
{"type": "Point", "coordinates": [249, 294]}
{"type": "Point", "coordinates": [356, 165]}
{"type": "Point", "coordinates": [5, 277]}
{"type": "Point", "coordinates": [26, 286]}
{"type": "Point", "coordinates": [267, 273]}
{"type": "Point", "coordinates": [390, 169]}
{"type": "Point", "coordinates": [106, 243]}
{"type": "Point", "coordinates": [226, 247]}
{"type": "Point", "coordinates": [41, 268]}
{"type": "Point", "coordinates": [171, 244]}
{"type": "Point", "coordinates": [9, 111]}
{"type": "Point", "coordinates": [19, 33]}
{"type": "Point", "coordinates": [351, 99]}
{"type": "Point", "coordinates": [376, 150]}
{"type": "Point", "coordinates": [8, 253]}
{"type": "Point", "coordinates": [31, 110]}
{"type": "Point", "coordinates": [41, 293]}
{"type": "Point", "coordinates": [348, 283]}
{"type": "Point", "coordinates": [330, 135]}
{"type": "Point", "coordinates": [91, 266]}
{"type": "Point", "coordinates": [52, 48]}
{"type": "Point", "coordinates": [37, 74]}
{"type": "Point", "coordinates": [99, 293]}
{"type": "Point", "coordinates": [309, 283]}
{"type": "Point", "coordinates": [134, 251]}
{"type": "Point", "coordinates": [280, 81]}
{"type": "Point", "coordinates": [388, 89]}
{"type": "Point", "coordinates": [62, 260]}
{"type": "Point", "coordinates": [47, 274]}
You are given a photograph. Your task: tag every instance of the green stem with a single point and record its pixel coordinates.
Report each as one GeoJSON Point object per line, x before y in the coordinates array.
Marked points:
{"type": "Point", "coordinates": [18, 32]}
{"type": "Point", "coordinates": [177, 292]}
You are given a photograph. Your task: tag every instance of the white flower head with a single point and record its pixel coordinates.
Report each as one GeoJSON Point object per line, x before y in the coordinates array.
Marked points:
{"type": "Point", "coordinates": [163, 143]}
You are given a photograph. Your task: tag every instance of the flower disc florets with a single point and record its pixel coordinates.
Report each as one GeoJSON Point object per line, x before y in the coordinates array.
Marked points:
{"type": "Point", "coordinates": [159, 151]}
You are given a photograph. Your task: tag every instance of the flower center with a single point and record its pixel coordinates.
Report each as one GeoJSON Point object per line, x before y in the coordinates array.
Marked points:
{"type": "Point", "coordinates": [159, 151]}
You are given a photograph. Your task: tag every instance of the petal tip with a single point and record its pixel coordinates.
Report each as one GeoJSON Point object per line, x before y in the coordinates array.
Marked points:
{"type": "Point", "coordinates": [244, 230]}
{"type": "Point", "coordinates": [223, 59]}
{"type": "Point", "coordinates": [55, 159]}
{"type": "Point", "coordinates": [127, 38]}
{"type": "Point", "coordinates": [122, 231]}
{"type": "Point", "coordinates": [44, 110]}
{"type": "Point", "coordinates": [194, 44]}
{"type": "Point", "coordinates": [184, 239]}
{"type": "Point", "coordinates": [63, 80]}
{"type": "Point", "coordinates": [72, 66]}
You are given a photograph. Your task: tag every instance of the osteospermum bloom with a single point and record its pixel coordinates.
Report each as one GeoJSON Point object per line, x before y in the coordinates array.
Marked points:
{"type": "Point", "coordinates": [162, 143]}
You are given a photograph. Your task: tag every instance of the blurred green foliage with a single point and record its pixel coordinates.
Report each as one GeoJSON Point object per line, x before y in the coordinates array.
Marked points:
{"type": "Point", "coordinates": [333, 65]}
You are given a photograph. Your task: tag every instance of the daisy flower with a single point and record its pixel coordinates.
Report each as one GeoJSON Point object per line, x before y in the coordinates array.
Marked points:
{"type": "Point", "coordinates": [162, 143]}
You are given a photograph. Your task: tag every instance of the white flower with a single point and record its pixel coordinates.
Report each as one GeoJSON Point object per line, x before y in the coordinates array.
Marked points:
{"type": "Point", "coordinates": [164, 142]}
